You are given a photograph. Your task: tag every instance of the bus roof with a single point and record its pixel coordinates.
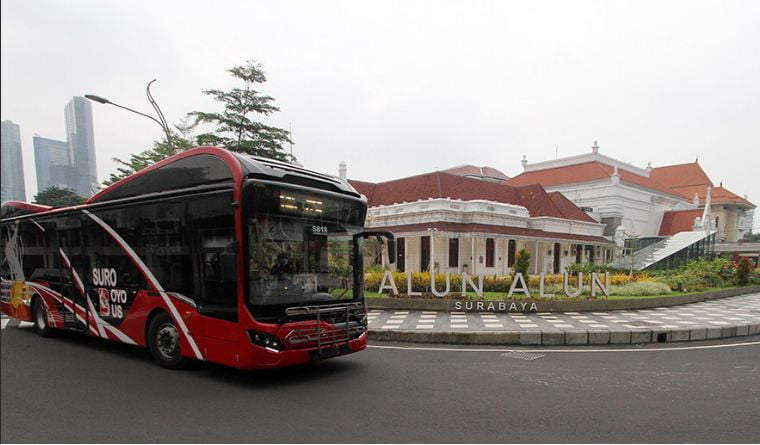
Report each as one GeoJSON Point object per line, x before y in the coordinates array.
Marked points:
{"type": "Point", "coordinates": [197, 167]}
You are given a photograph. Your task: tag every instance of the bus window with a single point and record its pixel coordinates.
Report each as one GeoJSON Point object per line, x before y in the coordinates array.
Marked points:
{"type": "Point", "coordinates": [106, 254]}
{"type": "Point", "coordinates": [213, 229]}
{"type": "Point", "coordinates": [165, 247]}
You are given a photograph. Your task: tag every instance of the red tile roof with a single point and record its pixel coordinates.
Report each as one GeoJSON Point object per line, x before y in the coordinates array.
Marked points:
{"type": "Point", "coordinates": [676, 221]}
{"type": "Point", "coordinates": [471, 170]}
{"type": "Point", "coordinates": [585, 172]}
{"type": "Point", "coordinates": [365, 188]}
{"type": "Point", "coordinates": [721, 195]}
{"type": "Point", "coordinates": [492, 229]}
{"type": "Point", "coordinates": [447, 185]}
{"type": "Point", "coordinates": [568, 208]}
{"type": "Point", "coordinates": [688, 179]}
{"type": "Point", "coordinates": [681, 175]}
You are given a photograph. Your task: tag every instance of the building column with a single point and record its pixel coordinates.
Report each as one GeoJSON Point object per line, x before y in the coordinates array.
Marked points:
{"type": "Point", "coordinates": [474, 260]}
{"type": "Point", "coordinates": [535, 256]}
{"type": "Point", "coordinates": [431, 265]}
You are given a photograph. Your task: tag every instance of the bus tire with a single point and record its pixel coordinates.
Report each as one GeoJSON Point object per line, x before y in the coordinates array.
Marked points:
{"type": "Point", "coordinates": [164, 342]}
{"type": "Point", "coordinates": [40, 319]}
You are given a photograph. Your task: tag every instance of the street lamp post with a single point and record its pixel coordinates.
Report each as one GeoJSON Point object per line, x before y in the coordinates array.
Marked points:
{"type": "Point", "coordinates": [161, 123]}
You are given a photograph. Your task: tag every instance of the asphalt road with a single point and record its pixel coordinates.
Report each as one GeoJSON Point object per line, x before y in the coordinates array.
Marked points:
{"type": "Point", "coordinates": [81, 389]}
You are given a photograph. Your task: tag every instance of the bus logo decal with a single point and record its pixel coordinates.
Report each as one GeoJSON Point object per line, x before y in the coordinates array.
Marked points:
{"type": "Point", "coordinates": [105, 307]}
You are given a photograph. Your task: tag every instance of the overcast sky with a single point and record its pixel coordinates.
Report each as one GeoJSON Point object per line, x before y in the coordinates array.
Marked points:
{"type": "Point", "coordinates": [397, 89]}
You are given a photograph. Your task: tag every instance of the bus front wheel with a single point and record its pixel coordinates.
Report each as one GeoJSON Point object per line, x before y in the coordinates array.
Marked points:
{"type": "Point", "coordinates": [164, 342]}
{"type": "Point", "coordinates": [40, 318]}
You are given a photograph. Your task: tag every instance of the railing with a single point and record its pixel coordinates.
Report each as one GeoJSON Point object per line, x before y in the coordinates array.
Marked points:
{"type": "Point", "coordinates": [661, 250]}
{"type": "Point", "coordinates": [339, 331]}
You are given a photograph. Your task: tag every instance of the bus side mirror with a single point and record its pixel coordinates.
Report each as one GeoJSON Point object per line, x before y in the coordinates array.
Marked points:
{"type": "Point", "coordinates": [380, 235]}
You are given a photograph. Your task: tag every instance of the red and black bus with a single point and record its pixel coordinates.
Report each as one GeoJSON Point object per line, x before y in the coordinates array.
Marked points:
{"type": "Point", "coordinates": [208, 255]}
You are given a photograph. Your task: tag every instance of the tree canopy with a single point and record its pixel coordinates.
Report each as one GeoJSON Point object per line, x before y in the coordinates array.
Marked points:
{"type": "Point", "coordinates": [235, 128]}
{"type": "Point", "coordinates": [58, 197]}
{"type": "Point", "coordinates": [181, 141]}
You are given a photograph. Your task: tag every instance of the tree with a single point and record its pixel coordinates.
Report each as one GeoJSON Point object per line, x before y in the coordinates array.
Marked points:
{"type": "Point", "coordinates": [181, 141]}
{"type": "Point", "coordinates": [235, 131]}
{"type": "Point", "coordinates": [522, 262]}
{"type": "Point", "coordinates": [744, 271]}
{"type": "Point", "coordinates": [58, 197]}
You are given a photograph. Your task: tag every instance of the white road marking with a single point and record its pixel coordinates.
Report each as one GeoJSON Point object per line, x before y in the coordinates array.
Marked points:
{"type": "Point", "coordinates": [5, 322]}
{"type": "Point", "coordinates": [574, 350]}
{"type": "Point", "coordinates": [25, 324]}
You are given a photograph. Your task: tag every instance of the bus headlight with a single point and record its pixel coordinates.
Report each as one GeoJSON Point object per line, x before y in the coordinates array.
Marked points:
{"type": "Point", "coordinates": [265, 340]}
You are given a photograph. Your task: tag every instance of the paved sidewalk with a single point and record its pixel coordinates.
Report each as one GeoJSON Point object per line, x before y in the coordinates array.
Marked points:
{"type": "Point", "coordinates": [727, 317]}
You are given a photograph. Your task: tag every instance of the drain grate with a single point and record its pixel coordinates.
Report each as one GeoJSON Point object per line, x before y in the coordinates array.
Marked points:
{"type": "Point", "coordinates": [522, 355]}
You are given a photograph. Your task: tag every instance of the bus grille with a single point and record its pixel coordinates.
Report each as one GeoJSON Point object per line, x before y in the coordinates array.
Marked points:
{"type": "Point", "coordinates": [335, 325]}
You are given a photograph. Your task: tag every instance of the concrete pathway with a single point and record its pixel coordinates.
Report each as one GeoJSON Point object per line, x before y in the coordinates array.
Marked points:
{"type": "Point", "coordinates": [727, 317]}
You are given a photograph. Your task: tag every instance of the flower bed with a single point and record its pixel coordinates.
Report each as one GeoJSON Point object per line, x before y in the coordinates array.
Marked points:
{"type": "Point", "coordinates": [697, 276]}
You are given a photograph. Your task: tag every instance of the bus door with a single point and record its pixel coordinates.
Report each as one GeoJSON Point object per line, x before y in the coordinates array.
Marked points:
{"type": "Point", "coordinates": [72, 282]}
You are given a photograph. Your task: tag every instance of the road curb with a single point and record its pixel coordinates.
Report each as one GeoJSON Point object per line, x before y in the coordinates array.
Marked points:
{"type": "Point", "coordinates": [559, 337]}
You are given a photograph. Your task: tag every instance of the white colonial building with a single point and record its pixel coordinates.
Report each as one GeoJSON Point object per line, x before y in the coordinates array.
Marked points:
{"type": "Point", "coordinates": [456, 223]}
{"type": "Point", "coordinates": [617, 193]}
{"type": "Point", "coordinates": [613, 192]}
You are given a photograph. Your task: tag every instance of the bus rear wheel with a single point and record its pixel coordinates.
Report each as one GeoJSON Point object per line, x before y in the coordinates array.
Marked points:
{"type": "Point", "coordinates": [164, 342]}
{"type": "Point", "coordinates": [40, 318]}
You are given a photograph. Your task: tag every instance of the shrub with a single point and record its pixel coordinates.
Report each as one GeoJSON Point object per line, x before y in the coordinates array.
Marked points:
{"type": "Point", "coordinates": [522, 262]}
{"type": "Point", "coordinates": [743, 270]}
{"type": "Point", "coordinates": [642, 288]}
{"type": "Point", "coordinates": [587, 268]}
{"type": "Point", "coordinates": [375, 268]}
{"type": "Point", "coordinates": [684, 282]}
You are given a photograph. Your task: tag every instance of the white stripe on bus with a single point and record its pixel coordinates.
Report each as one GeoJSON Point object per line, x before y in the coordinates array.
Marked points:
{"type": "Point", "coordinates": [98, 321]}
{"type": "Point", "coordinates": [37, 224]}
{"type": "Point", "coordinates": [96, 318]}
{"type": "Point", "coordinates": [152, 279]}
{"type": "Point", "coordinates": [73, 271]}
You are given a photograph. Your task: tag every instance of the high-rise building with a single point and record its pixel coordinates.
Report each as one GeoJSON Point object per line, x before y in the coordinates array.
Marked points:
{"type": "Point", "coordinates": [81, 139]}
{"type": "Point", "coordinates": [12, 163]}
{"type": "Point", "coordinates": [51, 159]}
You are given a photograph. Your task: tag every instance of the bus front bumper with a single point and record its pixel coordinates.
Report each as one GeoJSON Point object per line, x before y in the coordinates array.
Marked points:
{"type": "Point", "coordinates": [257, 357]}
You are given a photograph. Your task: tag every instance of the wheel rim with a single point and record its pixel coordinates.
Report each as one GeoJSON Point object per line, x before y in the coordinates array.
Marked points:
{"type": "Point", "coordinates": [41, 317]}
{"type": "Point", "coordinates": [167, 340]}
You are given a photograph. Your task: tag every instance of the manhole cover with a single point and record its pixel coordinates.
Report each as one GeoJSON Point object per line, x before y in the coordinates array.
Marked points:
{"type": "Point", "coordinates": [522, 355]}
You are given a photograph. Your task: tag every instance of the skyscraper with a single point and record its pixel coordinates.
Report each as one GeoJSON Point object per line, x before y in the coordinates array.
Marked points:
{"type": "Point", "coordinates": [51, 159]}
{"type": "Point", "coordinates": [12, 164]}
{"type": "Point", "coordinates": [81, 139]}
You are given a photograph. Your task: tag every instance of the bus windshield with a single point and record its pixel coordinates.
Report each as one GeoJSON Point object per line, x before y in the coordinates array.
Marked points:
{"type": "Point", "coordinates": [301, 248]}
